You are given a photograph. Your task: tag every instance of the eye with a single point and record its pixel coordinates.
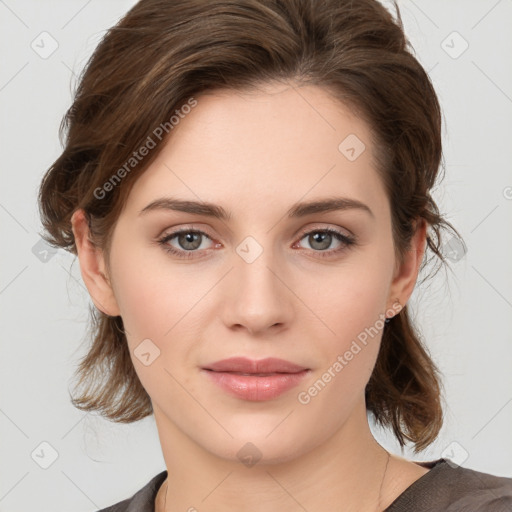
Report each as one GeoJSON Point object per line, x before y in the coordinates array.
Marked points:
{"type": "Point", "coordinates": [190, 241]}
{"type": "Point", "coordinates": [321, 239]}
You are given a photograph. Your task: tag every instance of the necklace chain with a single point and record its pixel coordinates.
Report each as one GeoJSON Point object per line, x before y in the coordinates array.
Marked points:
{"type": "Point", "coordinates": [382, 481]}
{"type": "Point", "coordinates": [378, 503]}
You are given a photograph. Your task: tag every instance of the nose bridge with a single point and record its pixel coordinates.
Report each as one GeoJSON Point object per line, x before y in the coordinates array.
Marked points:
{"type": "Point", "coordinates": [258, 297]}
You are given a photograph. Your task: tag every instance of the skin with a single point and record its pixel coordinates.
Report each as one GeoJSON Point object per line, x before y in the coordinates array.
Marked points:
{"type": "Point", "coordinates": [256, 154]}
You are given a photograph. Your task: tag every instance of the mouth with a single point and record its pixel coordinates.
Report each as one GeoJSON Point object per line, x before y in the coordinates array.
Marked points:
{"type": "Point", "coordinates": [254, 380]}
{"type": "Point", "coordinates": [252, 374]}
{"type": "Point", "coordinates": [246, 366]}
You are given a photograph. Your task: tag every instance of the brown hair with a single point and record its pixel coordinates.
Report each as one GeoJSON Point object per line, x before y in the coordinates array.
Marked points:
{"type": "Point", "coordinates": [161, 54]}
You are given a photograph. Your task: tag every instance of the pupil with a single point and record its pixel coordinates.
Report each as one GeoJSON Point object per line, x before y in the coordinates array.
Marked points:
{"type": "Point", "coordinates": [190, 238]}
{"type": "Point", "coordinates": [321, 237]}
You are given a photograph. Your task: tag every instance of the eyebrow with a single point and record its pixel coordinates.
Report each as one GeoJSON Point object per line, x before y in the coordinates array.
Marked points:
{"type": "Point", "coordinates": [216, 211]}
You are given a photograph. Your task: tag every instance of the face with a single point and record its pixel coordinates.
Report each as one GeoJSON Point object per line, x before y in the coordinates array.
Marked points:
{"type": "Point", "coordinates": [311, 288]}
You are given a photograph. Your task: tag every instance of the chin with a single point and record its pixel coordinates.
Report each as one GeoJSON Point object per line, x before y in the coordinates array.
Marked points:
{"type": "Point", "coordinates": [255, 447]}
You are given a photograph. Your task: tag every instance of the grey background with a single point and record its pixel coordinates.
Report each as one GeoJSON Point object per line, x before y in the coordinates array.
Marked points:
{"type": "Point", "coordinates": [466, 319]}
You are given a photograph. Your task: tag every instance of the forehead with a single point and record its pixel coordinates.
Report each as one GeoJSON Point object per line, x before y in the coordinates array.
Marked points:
{"type": "Point", "coordinates": [250, 150]}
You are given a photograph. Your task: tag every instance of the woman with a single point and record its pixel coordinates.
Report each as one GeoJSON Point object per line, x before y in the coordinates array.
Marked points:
{"type": "Point", "coordinates": [247, 187]}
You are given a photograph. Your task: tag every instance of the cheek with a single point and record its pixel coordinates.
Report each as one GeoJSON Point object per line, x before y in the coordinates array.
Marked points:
{"type": "Point", "coordinates": [348, 354]}
{"type": "Point", "coordinates": [356, 321]}
{"type": "Point", "coordinates": [152, 294]}
{"type": "Point", "coordinates": [141, 300]}
{"type": "Point", "coordinates": [351, 297]}
{"type": "Point", "coordinates": [351, 303]}
{"type": "Point", "coordinates": [153, 305]}
{"type": "Point", "coordinates": [162, 303]}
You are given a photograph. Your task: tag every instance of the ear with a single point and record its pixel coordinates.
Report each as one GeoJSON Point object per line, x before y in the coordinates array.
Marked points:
{"type": "Point", "coordinates": [406, 273]}
{"type": "Point", "coordinates": [93, 267]}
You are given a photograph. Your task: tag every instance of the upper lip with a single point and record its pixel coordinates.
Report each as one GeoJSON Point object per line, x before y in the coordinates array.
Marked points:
{"type": "Point", "coordinates": [245, 365]}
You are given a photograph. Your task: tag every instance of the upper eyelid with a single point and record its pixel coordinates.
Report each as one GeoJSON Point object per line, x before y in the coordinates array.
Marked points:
{"type": "Point", "coordinates": [186, 229]}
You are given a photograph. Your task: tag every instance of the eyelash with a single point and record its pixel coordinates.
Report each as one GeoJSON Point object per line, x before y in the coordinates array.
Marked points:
{"type": "Point", "coordinates": [346, 240]}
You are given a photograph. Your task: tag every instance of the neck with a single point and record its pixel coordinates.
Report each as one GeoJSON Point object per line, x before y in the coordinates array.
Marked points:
{"type": "Point", "coordinates": [345, 472]}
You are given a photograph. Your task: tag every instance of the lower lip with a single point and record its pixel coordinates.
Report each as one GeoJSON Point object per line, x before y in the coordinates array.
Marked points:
{"type": "Point", "coordinates": [254, 388]}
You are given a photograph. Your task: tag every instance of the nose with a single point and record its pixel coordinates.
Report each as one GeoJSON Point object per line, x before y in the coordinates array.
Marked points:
{"type": "Point", "coordinates": [258, 297]}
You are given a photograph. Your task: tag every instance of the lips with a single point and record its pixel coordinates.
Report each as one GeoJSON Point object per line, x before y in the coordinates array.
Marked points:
{"type": "Point", "coordinates": [261, 367]}
{"type": "Point", "coordinates": [255, 380]}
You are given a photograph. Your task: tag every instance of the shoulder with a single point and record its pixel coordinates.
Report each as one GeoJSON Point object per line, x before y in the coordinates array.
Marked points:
{"type": "Point", "coordinates": [143, 500]}
{"type": "Point", "coordinates": [453, 488]}
{"type": "Point", "coordinates": [472, 490]}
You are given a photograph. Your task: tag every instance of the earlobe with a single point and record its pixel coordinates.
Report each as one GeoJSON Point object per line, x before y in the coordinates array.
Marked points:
{"type": "Point", "coordinates": [92, 266]}
{"type": "Point", "coordinates": [407, 273]}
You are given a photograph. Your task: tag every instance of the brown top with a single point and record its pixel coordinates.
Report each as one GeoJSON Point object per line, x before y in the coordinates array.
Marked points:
{"type": "Point", "coordinates": [445, 488]}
